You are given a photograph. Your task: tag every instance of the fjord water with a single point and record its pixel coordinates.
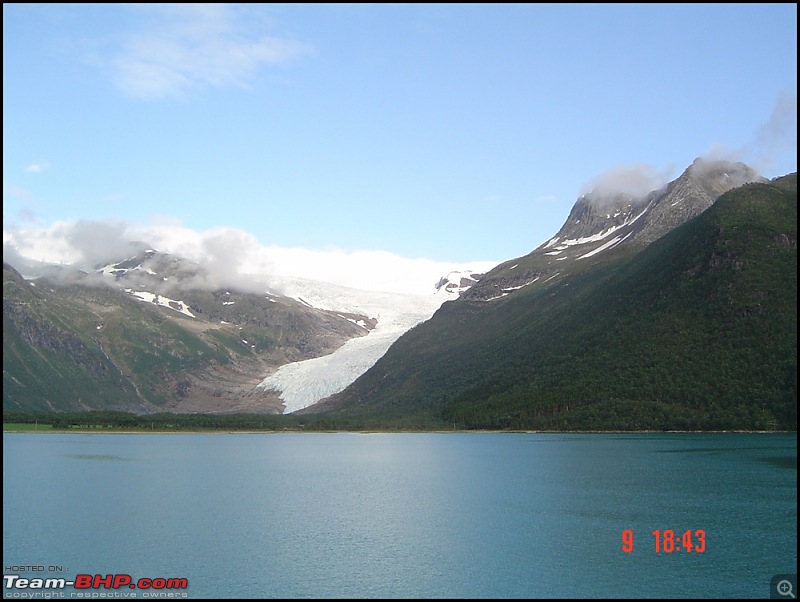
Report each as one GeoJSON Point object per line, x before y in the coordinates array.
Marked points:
{"type": "Point", "coordinates": [433, 515]}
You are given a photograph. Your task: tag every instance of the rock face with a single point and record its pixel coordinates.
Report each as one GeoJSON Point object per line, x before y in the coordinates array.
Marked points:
{"type": "Point", "coordinates": [601, 223]}
{"type": "Point", "coordinates": [458, 282]}
{"type": "Point", "coordinates": [693, 192]}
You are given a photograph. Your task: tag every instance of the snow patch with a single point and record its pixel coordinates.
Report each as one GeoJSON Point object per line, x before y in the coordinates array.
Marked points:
{"type": "Point", "coordinates": [516, 288]}
{"type": "Point", "coordinates": [611, 243]}
{"type": "Point", "coordinates": [178, 306]}
{"type": "Point", "coordinates": [601, 235]}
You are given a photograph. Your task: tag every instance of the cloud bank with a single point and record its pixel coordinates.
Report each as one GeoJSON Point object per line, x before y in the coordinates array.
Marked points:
{"type": "Point", "coordinates": [231, 257]}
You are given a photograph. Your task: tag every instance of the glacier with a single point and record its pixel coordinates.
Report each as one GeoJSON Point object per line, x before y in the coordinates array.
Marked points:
{"type": "Point", "coordinates": [304, 383]}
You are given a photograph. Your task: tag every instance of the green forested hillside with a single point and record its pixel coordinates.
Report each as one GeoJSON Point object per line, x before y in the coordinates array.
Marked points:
{"type": "Point", "coordinates": [697, 331]}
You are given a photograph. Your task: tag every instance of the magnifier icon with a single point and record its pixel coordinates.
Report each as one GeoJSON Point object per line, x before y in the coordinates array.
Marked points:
{"type": "Point", "coordinates": [784, 588]}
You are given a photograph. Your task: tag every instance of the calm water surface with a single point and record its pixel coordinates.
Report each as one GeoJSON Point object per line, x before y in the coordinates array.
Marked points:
{"type": "Point", "coordinates": [405, 515]}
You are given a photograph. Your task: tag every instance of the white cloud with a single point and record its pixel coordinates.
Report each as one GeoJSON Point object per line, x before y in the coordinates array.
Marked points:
{"type": "Point", "coordinates": [195, 46]}
{"type": "Point", "coordinates": [17, 192]}
{"type": "Point", "coordinates": [230, 256]}
{"type": "Point", "coordinates": [40, 244]}
{"type": "Point", "coordinates": [37, 167]}
{"type": "Point", "coordinates": [777, 135]}
{"type": "Point", "coordinates": [769, 142]}
{"type": "Point", "coordinates": [635, 180]}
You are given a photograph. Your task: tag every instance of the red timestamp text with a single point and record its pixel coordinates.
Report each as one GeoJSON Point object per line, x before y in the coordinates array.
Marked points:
{"type": "Point", "coordinates": [669, 541]}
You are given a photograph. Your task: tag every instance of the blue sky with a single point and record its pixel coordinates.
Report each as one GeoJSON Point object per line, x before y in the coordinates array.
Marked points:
{"type": "Point", "coordinates": [447, 133]}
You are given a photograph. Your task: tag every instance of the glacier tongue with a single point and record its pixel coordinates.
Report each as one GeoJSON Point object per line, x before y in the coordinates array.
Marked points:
{"type": "Point", "coordinates": [304, 383]}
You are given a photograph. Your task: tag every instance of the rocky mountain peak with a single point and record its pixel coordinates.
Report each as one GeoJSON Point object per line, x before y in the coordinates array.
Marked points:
{"type": "Point", "coordinates": [602, 221]}
{"type": "Point", "coordinates": [457, 282]}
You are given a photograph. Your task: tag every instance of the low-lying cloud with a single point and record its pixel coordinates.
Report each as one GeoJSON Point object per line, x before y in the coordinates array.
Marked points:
{"type": "Point", "coordinates": [229, 257]}
{"type": "Point", "coordinates": [769, 142]}
{"type": "Point", "coordinates": [633, 180]}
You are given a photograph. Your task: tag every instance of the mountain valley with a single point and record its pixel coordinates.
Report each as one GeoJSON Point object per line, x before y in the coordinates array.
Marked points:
{"type": "Point", "coordinates": [672, 310]}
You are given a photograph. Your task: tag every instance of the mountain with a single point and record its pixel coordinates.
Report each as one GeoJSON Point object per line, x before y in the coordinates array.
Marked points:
{"type": "Point", "coordinates": [672, 311]}
{"type": "Point", "coordinates": [604, 221]}
{"type": "Point", "coordinates": [153, 333]}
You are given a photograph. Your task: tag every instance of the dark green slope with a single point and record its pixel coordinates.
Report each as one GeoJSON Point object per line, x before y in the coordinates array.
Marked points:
{"type": "Point", "coordinates": [697, 331]}
{"type": "Point", "coordinates": [49, 358]}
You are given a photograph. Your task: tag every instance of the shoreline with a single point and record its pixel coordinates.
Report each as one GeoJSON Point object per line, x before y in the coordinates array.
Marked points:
{"type": "Point", "coordinates": [375, 432]}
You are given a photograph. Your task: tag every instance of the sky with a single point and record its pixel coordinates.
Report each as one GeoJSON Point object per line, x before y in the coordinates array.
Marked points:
{"type": "Point", "coordinates": [348, 141]}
